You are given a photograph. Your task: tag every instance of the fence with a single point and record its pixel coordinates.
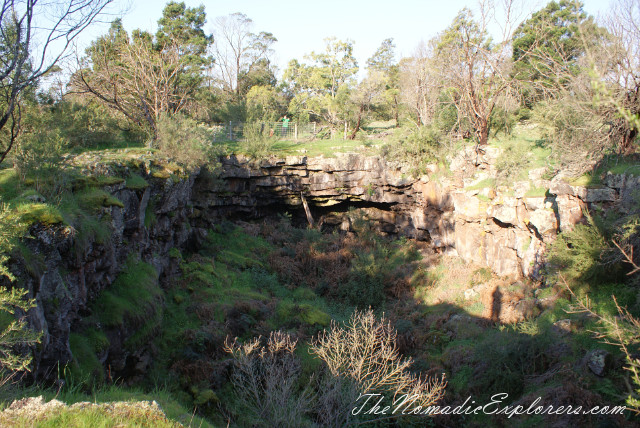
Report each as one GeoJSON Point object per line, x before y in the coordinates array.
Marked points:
{"type": "Point", "coordinates": [235, 131]}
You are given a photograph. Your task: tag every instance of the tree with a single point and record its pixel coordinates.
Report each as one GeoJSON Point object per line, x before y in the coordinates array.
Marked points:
{"type": "Point", "coordinates": [615, 68]}
{"type": "Point", "coordinates": [52, 27]}
{"type": "Point", "coordinates": [420, 84]}
{"type": "Point", "coordinates": [547, 47]}
{"type": "Point", "coordinates": [242, 56]}
{"type": "Point", "coordinates": [264, 104]}
{"type": "Point", "coordinates": [475, 69]}
{"type": "Point", "coordinates": [367, 93]}
{"type": "Point", "coordinates": [143, 78]}
{"type": "Point", "coordinates": [383, 61]}
{"type": "Point", "coordinates": [321, 89]}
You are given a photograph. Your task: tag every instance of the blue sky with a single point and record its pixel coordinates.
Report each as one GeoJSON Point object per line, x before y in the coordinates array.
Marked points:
{"type": "Point", "coordinates": [300, 26]}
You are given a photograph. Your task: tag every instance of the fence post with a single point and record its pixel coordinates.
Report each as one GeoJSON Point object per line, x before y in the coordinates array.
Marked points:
{"type": "Point", "coordinates": [230, 131]}
{"type": "Point", "coordinates": [295, 131]}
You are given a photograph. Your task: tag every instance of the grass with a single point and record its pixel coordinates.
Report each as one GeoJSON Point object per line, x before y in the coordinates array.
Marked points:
{"type": "Point", "coordinates": [132, 295]}
{"type": "Point", "coordinates": [327, 148]}
{"type": "Point", "coordinates": [136, 182]}
{"type": "Point", "coordinates": [487, 183]}
{"type": "Point", "coordinates": [86, 367]}
{"type": "Point", "coordinates": [118, 407]}
{"type": "Point", "coordinates": [536, 192]}
{"type": "Point", "coordinates": [96, 198]}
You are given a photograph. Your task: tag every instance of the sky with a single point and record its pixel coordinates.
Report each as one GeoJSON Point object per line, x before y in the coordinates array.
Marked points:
{"type": "Point", "coordinates": [301, 25]}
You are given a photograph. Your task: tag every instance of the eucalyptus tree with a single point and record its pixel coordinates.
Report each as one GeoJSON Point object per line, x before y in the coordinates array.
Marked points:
{"type": "Point", "coordinates": [320, 87]}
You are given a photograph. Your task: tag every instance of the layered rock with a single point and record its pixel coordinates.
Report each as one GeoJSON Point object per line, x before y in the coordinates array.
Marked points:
{"type": "Point", "coordinates": [504, 229]}
{"type": "Point", "coordinates": [70, 268]}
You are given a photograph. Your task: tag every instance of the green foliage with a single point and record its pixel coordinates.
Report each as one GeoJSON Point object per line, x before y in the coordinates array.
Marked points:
{"type": "Point", "coordinates": [577, 255]}
{"type": "Point", "coordinates": [136, 182]}
{"type": "Point", "coordinates": [320, 88]}
{"type": "Point", "coordinates": [305, 313]}
{"type": "Point", "coordinates": [547, 46]}
{"type": "Point", "coordinates": [258, 140]}
{"type": "Point", "coordinates": [133, 295]}
{"type": "Point", "coordinates": [94, 199]}
{"type": "Point", "coordinates": [416, 147]}
{"type": "Point", "coordinates": [87, 369]}
{"type": "Point", "coordinates": [184, 141]}
{"type": "Point", "coordinates": [264, 104]}
{"type": "Point", "coordinates": [512, 163]}
{"type": "Point", "coordinates": [14, 331]}
{"type": "Point", "coordinates": [39, 153]}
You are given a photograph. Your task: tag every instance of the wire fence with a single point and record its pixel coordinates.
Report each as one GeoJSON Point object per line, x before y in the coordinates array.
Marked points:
{"type": "Point", "coordinates": [236, 131]}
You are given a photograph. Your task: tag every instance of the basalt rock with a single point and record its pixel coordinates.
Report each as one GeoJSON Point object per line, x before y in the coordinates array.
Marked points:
{"type": "Point", "coordinates": [500, 228]}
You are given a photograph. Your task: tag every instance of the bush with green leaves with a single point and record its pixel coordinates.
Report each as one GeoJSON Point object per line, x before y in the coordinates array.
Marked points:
{"type": "Point", "coordinates": [14, 331]}
{"type": "Point", "coordinates": [576, 256]}
{"type": "Point", "coordinates": [258, 141]}
{"type": "Point", "coordinates": [512, 162]}
{"type": "Point", "coordinates": [39, 154]}
{"type": "Point", "coordinates": [184, 141]}
{"type": "Point", "coordinates": [416, 147]}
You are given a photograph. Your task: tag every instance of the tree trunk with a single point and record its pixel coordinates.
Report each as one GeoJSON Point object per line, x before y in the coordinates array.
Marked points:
{"type": "Point", "coordinates": [357, 128]}
{"type": "Point", "coordinates": [482, 132]}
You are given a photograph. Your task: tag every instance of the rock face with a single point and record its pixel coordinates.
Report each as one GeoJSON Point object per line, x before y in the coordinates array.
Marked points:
{"type": "Point", "coordinates": [503, 229]}
{"type": "Point", "coordinates": [506, 230]}
{"type": "Point", "coordinates": [73, 267]}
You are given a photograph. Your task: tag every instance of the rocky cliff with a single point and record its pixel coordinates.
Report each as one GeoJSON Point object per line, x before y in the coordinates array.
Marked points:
{"type": "Point", "coordinates": [506, 229]}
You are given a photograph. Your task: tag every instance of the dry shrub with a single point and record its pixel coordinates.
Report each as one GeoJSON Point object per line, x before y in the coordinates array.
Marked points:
{"type": "Point", "coordinates": [266, 380]}
{"type": "Point", "coordinates": [364, 351]}
{"type": "Point", "coordinates": [360, 357]}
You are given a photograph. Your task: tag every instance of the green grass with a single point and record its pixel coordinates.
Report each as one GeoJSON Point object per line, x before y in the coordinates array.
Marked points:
{"type": "Point", "coordinates": [487, 183]}
{"type": "Point", "coordinates": [93, 199]}
{"type": "Point", "coordinates": [536, 192]}
{"type": "Point", "coordinates": [128, 413]}
{"type": "Point", "coordinates": [136, 182]}
{"type": "Point", "coordinates": [86, 367]}
{"type": "Point", "coordinates": [327, 148]}
{"type": "Point", "coordinates": [132, 295]}
{"type": "Point", "coordinates": [96, 181]}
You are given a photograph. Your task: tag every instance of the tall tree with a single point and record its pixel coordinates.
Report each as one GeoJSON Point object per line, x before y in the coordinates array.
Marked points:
{"type": "Point", "coordinates": [321, 88]}
{"type": "Point", "coordinates": [143, 77]}
{"type": "Point", "coordinates": [383, 61]}
{"type": "Point", "coordinates": [52, 27]}
{"type": "Point", "coordinates": [547, 47]}
{"type": "Point", "coordinates": [241, 55]}
{"type": "Point", "coordinates": [475, 70]}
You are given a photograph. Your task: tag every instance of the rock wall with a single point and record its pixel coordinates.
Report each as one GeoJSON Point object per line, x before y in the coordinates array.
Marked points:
{"type": "Point", "coordinates": [67, 269]}
{"type": "Point", "coordinates": [505, 229]}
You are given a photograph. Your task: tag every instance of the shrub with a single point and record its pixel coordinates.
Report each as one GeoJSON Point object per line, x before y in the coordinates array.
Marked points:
{"type": "Point", "coordinates": [363, 351]}
{"type": "Point", "coordinates": [575, 131]}
{"type": "Point", "coordinates": [258, 140]}
{"type": "Point", "coordinates": [416, 147]}
{"type": "Point", "coordinates": [14, 332]}
{"type": "Point", "coordinates": [513, 161]}
{"type": "Point", "coordinates": [576, 255]}
{"type": "Point", "coordinates": [39, 157]}
{"type": "Point", "coordinates": [182, 140]}
{"type": "Point", "coordinates": [265, 378]}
